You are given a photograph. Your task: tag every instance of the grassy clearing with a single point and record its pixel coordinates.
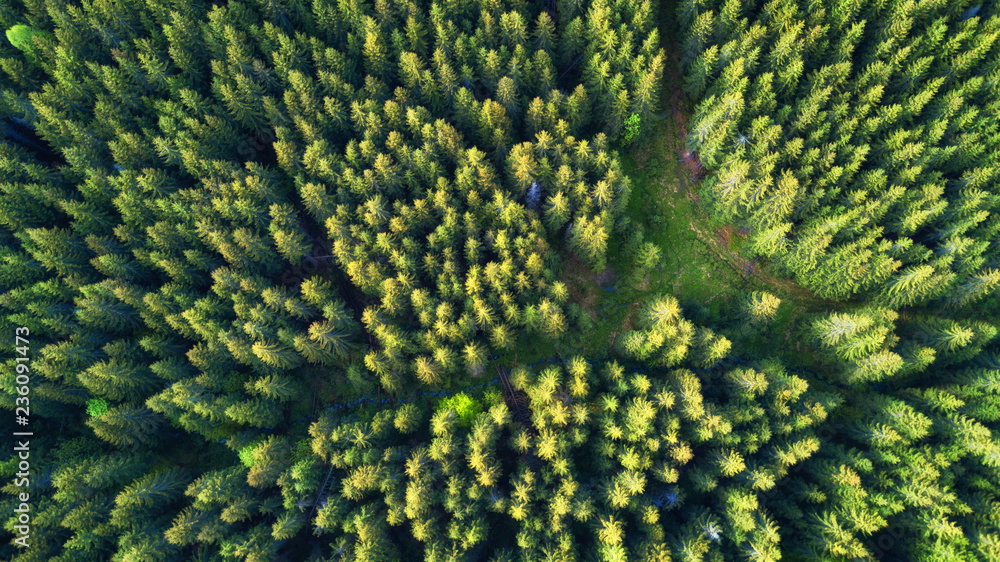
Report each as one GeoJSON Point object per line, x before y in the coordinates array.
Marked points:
{"type": "Point", "coordinates": [701, 263]}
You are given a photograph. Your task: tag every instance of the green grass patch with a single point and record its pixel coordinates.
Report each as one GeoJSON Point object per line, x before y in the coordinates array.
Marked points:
{"type": "Point", "coordinates": [701, 264]}
{"type": "Point", "coordinates": [689, 268]}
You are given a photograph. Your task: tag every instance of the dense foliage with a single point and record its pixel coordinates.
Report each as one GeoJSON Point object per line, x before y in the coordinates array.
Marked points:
{"type": "Point", "coordinates": [858, 143]}
{"type": "Point", "coordinates": [858, 140]}
{"type": "Point", "coordinates": [271, 256]}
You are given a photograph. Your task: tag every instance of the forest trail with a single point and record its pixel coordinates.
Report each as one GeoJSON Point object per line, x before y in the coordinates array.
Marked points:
{"type": "Point", "coordinates": [702, 265]}
{"type": "Point", "coordinates": [674, 130]}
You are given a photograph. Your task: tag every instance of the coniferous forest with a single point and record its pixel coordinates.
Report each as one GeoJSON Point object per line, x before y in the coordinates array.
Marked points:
{"type": "Point", "coordinates": [500, 280]}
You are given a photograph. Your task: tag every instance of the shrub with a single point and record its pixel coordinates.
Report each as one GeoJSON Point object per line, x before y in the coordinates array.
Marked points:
{"type": "Point", "coordinates": [246, 454]}
{"type": "Point", "coordinates": [631, 128]}
{"type": "Point", "coordinates": [464, 406]}
{"type": "Point", "coordinates": [97, 407]}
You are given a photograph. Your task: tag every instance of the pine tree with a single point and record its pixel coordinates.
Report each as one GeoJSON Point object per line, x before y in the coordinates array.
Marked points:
{"type": "Point", "coordinates": [126, 426]}
{"type": "Point", "coordinates": [760, 308]}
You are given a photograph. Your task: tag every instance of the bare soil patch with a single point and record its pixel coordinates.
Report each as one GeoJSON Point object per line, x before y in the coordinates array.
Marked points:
{"type": "Point", "coordinates": [606, 277]}
{"type": "Point", "coordinates": [725, 235]}
{"type": "Point", "coordinates": [581, 284]}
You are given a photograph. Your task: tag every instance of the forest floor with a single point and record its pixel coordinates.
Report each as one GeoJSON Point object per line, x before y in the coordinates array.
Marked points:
{"type": "Point", "coordinates": [701, 262]}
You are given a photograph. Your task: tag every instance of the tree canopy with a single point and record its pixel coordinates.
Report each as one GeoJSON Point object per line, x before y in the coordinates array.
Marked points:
{"type": "Point", "coordinates": [308, 280]}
